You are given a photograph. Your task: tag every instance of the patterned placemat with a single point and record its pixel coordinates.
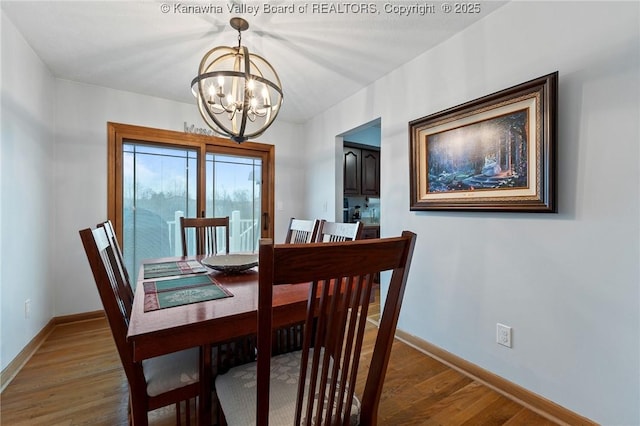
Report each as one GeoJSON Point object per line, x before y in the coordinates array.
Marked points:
{"type": "Point", "coordinates": [181, 291]}
{"type": "Point", "coordinates": [168, 269]}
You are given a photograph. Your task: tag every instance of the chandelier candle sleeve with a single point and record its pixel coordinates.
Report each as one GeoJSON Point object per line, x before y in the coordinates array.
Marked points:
{"type": "Point", "coordinates": [239, 94]}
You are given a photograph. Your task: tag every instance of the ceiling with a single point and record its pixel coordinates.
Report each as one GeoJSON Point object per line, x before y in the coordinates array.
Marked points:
{"type": "Point", "coordinates": [322, 57]}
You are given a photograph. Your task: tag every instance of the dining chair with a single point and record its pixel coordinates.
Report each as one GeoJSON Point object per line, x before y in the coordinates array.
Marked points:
{"type": "Point", "coordinates": [302, 231]}
{"type": "Point", "coordinates": [335, 231]}
{"type": "Point", "coordinates": [122, 278]}
{"type": "Point", "coordinates": [153, 383]}
{"type": "Point", "coordinates": [318, 384]}
{"type": "Point", "coordinates": [204, 231]}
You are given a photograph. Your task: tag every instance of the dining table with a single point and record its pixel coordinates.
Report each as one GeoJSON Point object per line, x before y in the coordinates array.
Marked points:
{"type": "Point", "coordinates": [203, 324]}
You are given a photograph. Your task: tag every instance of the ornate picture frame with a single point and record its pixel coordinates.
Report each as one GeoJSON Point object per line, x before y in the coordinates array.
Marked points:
{"type": "Point", "coordinates": [495, 153]}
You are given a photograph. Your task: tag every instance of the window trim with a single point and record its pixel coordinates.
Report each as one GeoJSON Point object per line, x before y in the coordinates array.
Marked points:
{"type": "Point", "coordinates": [118, 134]}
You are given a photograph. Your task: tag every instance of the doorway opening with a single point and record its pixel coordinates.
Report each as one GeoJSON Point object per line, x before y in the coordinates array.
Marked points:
{"type": "Point", "coordinates": [361, 156]}
{"type": "Point", "coordinates": [361, 172]}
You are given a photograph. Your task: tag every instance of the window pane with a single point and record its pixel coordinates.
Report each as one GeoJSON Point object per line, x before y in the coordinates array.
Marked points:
{"type": "Point", "coordinates": [233, 189]}
{"type": "Point", "coordinates": [159, 184]}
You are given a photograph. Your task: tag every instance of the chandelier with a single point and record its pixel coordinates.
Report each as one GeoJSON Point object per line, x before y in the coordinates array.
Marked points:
{"type": "Point", "coordinates": [238, 93]}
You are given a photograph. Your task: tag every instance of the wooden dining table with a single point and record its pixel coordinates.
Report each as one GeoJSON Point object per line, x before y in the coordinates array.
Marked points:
{"type": "Point", "coordinates": [204, 324]}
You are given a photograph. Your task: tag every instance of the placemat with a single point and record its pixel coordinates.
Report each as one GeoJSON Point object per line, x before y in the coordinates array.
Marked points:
{"type": "Point", "coordinates": [181, 291]}
{"type": "Point", "coordinates": [168, 269]}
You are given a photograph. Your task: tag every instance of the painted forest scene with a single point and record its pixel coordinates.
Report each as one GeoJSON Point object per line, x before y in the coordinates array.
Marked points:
{"type": "Point", "coordinates": [490, 154]}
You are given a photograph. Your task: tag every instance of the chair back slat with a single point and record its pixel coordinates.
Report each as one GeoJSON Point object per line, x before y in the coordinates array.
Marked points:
{"type": "Point", "coordinates": [341, 281]}
{"type": "Point", "coordinates": [124, 283]}
{"type": "Point", "coordinates": [333, 371]}
{"type": "Point", "coordinates": [331, 232]}
{"type": "Point", "coordinates": [204, 231]}
{"type": "Point", "coordinates": [302, 231]}
{"type": "Point", "coordinates": [108, 277]}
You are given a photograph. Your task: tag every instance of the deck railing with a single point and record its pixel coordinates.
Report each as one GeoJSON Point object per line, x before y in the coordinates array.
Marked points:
{"type": "Point", "coordinates": [244, 234]}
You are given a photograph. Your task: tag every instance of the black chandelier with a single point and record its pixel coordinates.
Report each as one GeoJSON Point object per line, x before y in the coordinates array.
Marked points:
{"type": "Point", "coordinates": [239, 94]}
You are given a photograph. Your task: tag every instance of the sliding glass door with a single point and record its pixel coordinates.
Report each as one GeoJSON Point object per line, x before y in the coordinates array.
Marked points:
{"type": "Point", "coordinates": [154, 180]}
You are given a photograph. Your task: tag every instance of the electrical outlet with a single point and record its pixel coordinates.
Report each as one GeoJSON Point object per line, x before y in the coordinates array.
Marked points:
{"type": "Point", "coordinates": [503, 335]}
{"type": "Point", "coordinates": [27, 309]}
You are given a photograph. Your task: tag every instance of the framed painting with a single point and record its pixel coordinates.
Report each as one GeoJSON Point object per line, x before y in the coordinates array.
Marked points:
{"type": "Point", "coordinates": [495, 153]}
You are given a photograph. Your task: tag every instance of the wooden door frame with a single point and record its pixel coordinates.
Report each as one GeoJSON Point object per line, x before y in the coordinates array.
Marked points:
{"type": "Point", "coordinates": [118, 133]}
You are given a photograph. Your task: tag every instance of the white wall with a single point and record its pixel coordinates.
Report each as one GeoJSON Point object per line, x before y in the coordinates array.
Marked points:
{"type": "Point", "coordinates": [26, 156]}
{"type": "Point", "coordinates": [291, 174]}
{"type": "Point", "coordinates": [567, 283]}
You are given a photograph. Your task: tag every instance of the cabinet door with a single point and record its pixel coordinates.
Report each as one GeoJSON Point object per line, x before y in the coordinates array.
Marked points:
{"type": "Point", "coordinates": [351, 165]}
{"type": "Point", "coordinates": [370, 173]}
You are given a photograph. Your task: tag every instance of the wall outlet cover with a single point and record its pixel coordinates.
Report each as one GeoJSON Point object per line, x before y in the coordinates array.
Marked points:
{"type": "Point", "coordinates": [503, 335]}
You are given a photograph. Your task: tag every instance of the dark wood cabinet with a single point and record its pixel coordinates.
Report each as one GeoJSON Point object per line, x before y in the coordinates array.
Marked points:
{"type": "Point", "coordinates": [352, 159]}
{"type": "Point", "coordinates": [370, 170]}
{"type": "Point", "coordinates": [361, 171]}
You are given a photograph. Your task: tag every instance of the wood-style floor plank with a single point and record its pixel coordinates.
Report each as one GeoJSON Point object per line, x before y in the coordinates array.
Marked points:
{"type": "Point", "coordinates": [75, 378]}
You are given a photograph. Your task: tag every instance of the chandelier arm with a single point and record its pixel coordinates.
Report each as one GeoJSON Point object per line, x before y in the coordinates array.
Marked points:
{"type": "Point", "coordinates": [207, 119]}
{"type": "Point", "coordinates": [211, 74]}
{"type": "Point", "coordinates": [202, 100]}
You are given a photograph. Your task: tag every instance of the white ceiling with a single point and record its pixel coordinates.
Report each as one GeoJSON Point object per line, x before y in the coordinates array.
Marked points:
{"type": "Point", "coordinates": [321, 58]}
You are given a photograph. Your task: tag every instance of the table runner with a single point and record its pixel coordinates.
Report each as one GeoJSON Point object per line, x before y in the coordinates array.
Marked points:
{"type": "Point", "coordinates": [168, 269]}
{"type": "Point", "coordinates": [181, 291]}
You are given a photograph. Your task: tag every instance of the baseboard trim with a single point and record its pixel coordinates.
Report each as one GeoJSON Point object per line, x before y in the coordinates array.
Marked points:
{"type": "Point", "coordinates": [528, 399]}
{"type": "Point", "coordinates": [84, 316]}
{"type": "Point", "coordinates": [14, 367]}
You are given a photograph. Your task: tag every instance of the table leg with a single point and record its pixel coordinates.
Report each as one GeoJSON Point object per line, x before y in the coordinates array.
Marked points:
{"type": "Point", "coordinates": [204, 415]}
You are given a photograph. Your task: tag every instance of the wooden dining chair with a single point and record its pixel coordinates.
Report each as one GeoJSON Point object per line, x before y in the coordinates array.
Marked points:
{"type": "Point", "coordinates": [317, 385]}
{"type": "Point", "coordinates": [205, 232]}
{"type": "Point", "coordinates": [331, 232]}
{"type": "Point", "coordinates": [153, 383]}
{"type": "Point", "coordinates": [122, 278]}
{"type": "Point", "coordinates": [302, 231]}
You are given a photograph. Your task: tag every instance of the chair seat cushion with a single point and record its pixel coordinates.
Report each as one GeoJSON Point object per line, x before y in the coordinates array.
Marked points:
{"type": "Point", "coordinates": [171, 371]}
{"type": "Point", "coordinates": [236, 392]}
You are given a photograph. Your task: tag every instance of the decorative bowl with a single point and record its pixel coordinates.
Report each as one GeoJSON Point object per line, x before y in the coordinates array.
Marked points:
{"type": "Point", "coordinates": [235, 262]}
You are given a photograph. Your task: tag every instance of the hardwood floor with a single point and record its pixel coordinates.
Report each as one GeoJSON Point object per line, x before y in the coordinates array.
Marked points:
{"type": "Point", "coordinates": [75, 378]}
